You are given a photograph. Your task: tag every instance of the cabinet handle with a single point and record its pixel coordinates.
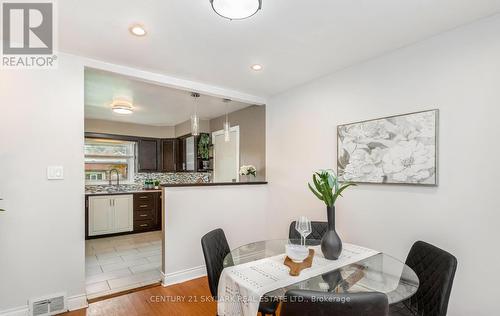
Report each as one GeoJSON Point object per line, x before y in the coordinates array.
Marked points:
{"type": "Point", "coordinates": [144, 225]}
{"type": "Point", "coordinates": [143, 197]}
{"type": "Point", "coordinates": [143, 205]}
{"type": "Point", "coordinates": [143, 215]}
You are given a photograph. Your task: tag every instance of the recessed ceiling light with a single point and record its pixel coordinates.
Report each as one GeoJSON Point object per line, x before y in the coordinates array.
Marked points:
{"type": "Point", "coordinates": [122, 107]}
{"type": "Point", "coordinates": [256, 67]}
{"type": "Point", "coordinates": [137, 30]}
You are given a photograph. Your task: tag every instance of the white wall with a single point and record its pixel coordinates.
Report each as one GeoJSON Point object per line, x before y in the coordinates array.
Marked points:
{"type": "Point", "coordinates": [42, 232]}
{"type": "Point", "coordinates": [457, 72]}
{"type": "Point", "coordinates": [191, 212]}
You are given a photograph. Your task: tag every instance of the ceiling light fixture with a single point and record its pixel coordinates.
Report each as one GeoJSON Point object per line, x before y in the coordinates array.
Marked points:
{"type": "Point", "coordinates": [236, 9]}
{"type": "Point", "coordinates": [195, 120]}
{"type": "Point", "coordinates": [137, 30]}
{"type": "Point", "coordinates": [122, 107]}
{"type": "Point", "coordinates": [256, 67]}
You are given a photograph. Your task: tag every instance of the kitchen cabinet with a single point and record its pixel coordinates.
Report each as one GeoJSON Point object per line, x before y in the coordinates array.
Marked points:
{"type": "Point", "coordinates": [190, 153]}
{"type": "Point", "coordinates": [123, 217]}
{"type": "Point", "coordinates": [148, 155]}
{"type": "Point", "coordinates": [170, 148]}
{"type": "Point", "coordinates": [181, 154]}
{"type": "Point", "coordinates": [147, 211]}
{"type": "Point", "coordinates": [100, 216]}
{"type": "Point", "coordinates": [122, 214]}
{"type": "Point", "coordinates": [188, 156]}
{"type": "Point", "coordinates": [164, 154]}
{"type": "Point", "coordinates": [110, 214]}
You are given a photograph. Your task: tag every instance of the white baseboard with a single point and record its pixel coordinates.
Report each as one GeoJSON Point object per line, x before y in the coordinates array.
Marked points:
{"type": "Point", "coordinates": [183, 275]}
{"type": "Point", "coordinates": [73, 303]}
{"type": "Point", "coordinates": [77, 302]}
{"type": "Point", "coordinates": [16, 311]}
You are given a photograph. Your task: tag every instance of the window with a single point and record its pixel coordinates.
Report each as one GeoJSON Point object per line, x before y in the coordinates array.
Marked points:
{"type": "Point", "coordinates": [104, 155]}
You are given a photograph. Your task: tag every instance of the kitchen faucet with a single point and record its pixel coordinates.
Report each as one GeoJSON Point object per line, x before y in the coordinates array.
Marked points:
{"type": "Point", "coordinates": [117, 176]}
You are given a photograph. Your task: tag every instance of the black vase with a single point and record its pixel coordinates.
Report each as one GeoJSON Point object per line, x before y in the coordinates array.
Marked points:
{"type": "Point", "coordinates": [331, 245]}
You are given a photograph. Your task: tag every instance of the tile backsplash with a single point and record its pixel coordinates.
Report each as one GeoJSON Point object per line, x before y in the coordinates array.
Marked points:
{"type": "Point", "coordinates": [164, 177]}
{"type": "Point", "coordinates": [174, 177]}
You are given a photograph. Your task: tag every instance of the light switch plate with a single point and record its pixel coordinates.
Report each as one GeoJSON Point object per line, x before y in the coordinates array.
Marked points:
{"type": "Point", "coordinates": [55, 172]}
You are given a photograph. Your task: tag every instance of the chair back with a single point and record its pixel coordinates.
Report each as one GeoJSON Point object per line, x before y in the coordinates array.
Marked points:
{"type": "Point", "coordinates": [435, 269]}
{"type": "Point", "coordinates": [215, 249]}
{"type": "Point", "coordinates": [318, 230]}
{"type": "Point", "coordinates": [313, 303]}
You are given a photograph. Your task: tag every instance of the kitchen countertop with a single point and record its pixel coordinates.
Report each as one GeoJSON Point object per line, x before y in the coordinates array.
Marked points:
{"type": "Point", "coordinates": [119, 192]}
{"type": "Point", "coordinates": [208, 184]}
{"type": "Point", "coordinates": [131, 189]}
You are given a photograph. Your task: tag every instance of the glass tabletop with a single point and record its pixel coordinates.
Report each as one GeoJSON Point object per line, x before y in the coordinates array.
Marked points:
{"type": "Point", "coordinates": [379, 273]}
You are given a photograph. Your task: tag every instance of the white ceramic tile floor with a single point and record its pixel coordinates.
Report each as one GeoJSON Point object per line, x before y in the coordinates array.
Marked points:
{"type": "Point", "coordinates": [123, 264]}
{"type": "Point", "coordinates": [97, 287]}
{"type": "Point", "coordinates": [116, 264]}
{"type": "Point", "coordinates": [141, 255]}
{"type": "Point", "coordinates": [155, 258]}
{"type": "Point", "coordinates": [139, 277]}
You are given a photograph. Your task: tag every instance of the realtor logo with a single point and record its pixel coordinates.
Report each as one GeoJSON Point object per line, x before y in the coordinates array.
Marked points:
{"type": "Point", "coordinates": [28, 35]}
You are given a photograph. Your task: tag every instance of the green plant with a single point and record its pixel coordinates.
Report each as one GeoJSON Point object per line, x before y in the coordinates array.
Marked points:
{"type": "Point", "coordinates": [203, 145]}
{"type": "Point", "coordinates": [327, 187]}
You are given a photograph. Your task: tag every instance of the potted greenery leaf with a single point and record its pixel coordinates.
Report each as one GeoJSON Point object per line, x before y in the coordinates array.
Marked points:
{"type": "Point", "coordinates": [203, 146]}
{"type": "Point", "coordinates": [327, 188]}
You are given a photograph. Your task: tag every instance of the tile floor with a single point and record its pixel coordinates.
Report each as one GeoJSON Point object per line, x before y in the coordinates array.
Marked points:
{"type": "Point", "coordinates": [121, 263]}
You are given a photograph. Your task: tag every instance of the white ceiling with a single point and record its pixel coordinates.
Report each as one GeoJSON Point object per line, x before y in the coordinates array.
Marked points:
{"type": "Point", "coordinates": [153, 104]}
{"type": "Point", "coordinates": [295, 40]}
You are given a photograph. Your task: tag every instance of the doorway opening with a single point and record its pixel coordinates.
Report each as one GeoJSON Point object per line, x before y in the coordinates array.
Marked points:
{"type": "Point", "coordinates": [226, 155]}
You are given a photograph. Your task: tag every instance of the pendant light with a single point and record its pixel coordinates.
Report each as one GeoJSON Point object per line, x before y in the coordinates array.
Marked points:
{"type": "Point", "coordinates": [227, 126]}
{"type": "Point", "coordinates": [195, 120]}
{"type": "Point", "coordinates": [236, 9]}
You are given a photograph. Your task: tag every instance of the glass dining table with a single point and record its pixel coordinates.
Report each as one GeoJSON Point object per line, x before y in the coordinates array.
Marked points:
{"type": "Point", "coordinates": [378, 273]}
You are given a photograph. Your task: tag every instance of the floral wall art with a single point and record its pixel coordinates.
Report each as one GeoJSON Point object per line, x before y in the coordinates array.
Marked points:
{"type": "Point", "coordinates": [397, 149]}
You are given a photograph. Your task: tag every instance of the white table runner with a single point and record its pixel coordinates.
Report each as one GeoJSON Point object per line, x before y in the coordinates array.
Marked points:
{"type": "Point", "coordinates": [241, 287]}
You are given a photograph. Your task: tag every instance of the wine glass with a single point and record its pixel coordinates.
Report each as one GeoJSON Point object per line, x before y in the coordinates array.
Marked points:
{"type": "Point", "coordinates": [303, 227]}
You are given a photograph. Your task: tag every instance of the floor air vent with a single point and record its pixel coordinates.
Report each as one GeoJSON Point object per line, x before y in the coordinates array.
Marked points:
{"type": "Point", "coordinates": [48, 306]}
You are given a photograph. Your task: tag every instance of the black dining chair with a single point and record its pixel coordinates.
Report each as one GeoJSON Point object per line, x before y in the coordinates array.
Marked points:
{"type": "Point", "coordinates": [435, 269]}
{"type": "Point", "coordinates": [215, 249]}
{"type": "Point", "coordinates": [314, 303]}
{"type": "Point", "coordinates": [318, 230]}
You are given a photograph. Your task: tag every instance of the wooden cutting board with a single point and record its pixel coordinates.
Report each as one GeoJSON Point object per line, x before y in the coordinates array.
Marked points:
{"type": "Point", "coordinates": [296, 267]}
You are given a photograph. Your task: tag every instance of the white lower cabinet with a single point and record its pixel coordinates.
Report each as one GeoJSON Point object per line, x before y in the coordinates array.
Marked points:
{"type": "Point", "coordinates": [124, 213]}
{"type": "Point", "coordinates": [110, 214]}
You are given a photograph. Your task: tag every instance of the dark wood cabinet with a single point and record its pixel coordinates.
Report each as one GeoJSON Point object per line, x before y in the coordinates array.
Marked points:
{"type": "Point", "coordinates": [148, 155]}
{"type": "Point", "coordinates": [165, 154]}
{"type": "Point", "coordinates": [170, 153]}
{"type": "Point", "coordinates": [147, 211]}
{"type": "Point", "coordinates": [197, 162]}
{"type": "Point", "coordinates": [181, 154]}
